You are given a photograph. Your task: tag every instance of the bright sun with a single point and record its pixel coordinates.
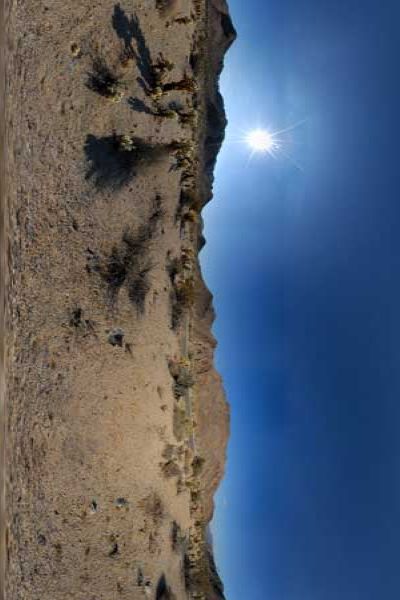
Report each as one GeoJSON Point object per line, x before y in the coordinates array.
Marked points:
{"type": "Point", "coordinates": [260, 140]}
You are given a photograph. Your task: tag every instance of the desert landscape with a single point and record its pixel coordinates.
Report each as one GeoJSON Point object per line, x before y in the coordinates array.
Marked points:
{"type": "Point", "coordinates": [116, 422]}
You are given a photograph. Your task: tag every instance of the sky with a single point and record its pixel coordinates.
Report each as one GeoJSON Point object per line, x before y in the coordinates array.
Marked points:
{"type": "Point", "coordinates": [303, 259]}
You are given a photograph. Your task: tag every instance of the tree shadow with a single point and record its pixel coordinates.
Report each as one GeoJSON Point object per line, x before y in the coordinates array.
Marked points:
{"type": "Point", "coordinates": [101, 79]}
{"type": "Point", "coordinates": [109, 166]}
{"type": "Point", "coordinates": [139, 106]}
{"type": "Point", "coordinates": [128, 30]}
{"type": "Point", "coordinates": [163, 591]}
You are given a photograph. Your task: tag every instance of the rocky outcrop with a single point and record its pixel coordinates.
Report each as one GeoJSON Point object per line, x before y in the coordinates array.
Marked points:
{"type": "Point", "coordinates": [211, 408]}
{"type": "Point", "coordinates": [221, 35]}
{"type": "Point", "coordinates": [212, 415]}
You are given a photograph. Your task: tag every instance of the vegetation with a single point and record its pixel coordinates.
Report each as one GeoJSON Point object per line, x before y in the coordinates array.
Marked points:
{"type": "Point", "coordinates": [128, 262]}
{"type": "Point", "coordinates": [113, 160]}
{"type": "Point", "coordinates": [139, 286]}
{"type": "Point", "coordinates": [197, 465]}
{"type": "Point", "coordinates": [178, 538]}
{"type": "Point", "coordinates": [171, 469]}
{"type": "Point", "coordinates": [153, 507]}
{"type": "Point", "coordinates": [179, 421]}
{"type": "Point", "coordinates": [103, 81]}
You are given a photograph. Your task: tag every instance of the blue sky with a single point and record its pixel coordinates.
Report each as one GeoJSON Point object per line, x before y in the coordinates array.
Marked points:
{"type": "Point", "coordinates": [303, 258]}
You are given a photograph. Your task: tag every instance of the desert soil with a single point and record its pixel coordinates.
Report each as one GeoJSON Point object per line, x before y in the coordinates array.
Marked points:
{"type": "Point", "coordinates": [116, 420]}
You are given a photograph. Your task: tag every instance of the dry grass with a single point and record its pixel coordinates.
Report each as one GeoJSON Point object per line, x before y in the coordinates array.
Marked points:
{"type": "Point", "coordinates": [153, 507]}
{"type": "Point", "coordinates": [179, 422]}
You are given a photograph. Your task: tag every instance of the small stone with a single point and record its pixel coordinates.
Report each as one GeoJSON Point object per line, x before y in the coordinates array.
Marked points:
{"type": "Point", "coordinates": [116, 337]}
{"type": "Point", "coordinates": [121, 502]}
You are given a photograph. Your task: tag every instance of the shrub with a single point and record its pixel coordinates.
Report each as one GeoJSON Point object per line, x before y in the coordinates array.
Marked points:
{"type": "Point", "coordinates": [185, 292]}
{"type": "Point", "coordinates": [179, 421]}
{"type": "Point", "coordinates": [103, 81]}
{"type": "Point", "coordinates": [138, 287]}
{"type": "Point", "coordinates": [171, 469]}
{"type": "Point", "coordinates": [197, 465]}
{"type": "Point", "coordinates": [153, 507]}
{"type": "Point", "coordinates": [113, 160]}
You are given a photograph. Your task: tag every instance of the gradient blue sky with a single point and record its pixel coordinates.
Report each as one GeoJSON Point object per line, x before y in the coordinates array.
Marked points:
{"type": "Point", "coordinates": [305, 269]}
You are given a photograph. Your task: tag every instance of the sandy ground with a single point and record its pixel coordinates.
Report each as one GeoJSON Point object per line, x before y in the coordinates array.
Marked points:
{"type": "Point", "coordinates": [110, 379]}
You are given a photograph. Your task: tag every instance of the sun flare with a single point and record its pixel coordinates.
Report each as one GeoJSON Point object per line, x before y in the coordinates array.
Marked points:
{"type": "Point", "coordinates": [261, 140]}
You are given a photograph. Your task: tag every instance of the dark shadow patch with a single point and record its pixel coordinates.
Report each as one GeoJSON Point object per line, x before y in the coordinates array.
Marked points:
{"type": "Point", "coordinates": [76, 317]}
{"type": "Point", "coordinates": [163, 591]}
{"type": "Point", "coordinates": [163, 5]}
{"type": "Point", "coordinates": [114, 550]}
{"type": "Point", "coordinates": [113, 159]}
{"type": "Point", "coordinates": [139, 106]}
{"type": "Point", "coordinates": [129, 264]}
{"type": "Point", "coordinates": [187, 84]}
{"type": "Point", "coordinates": [79, 323]}
{"type": "Point", "coordinates": [138, 288]}
{"type": "Point", "coordinates": [128, 29]}
{"type": "Point", "coordinates": [228, 28]}
{"type": "Point", "coordinates": [187, 573]}
{"type": "Point", "coordinates": [139, 578]}
{"type": "Point", "coordinates": [109, 166]}
{"type": "Point", "coordinates": [115, 273]}
{"type": "Point", "coordinates": [102, 80]}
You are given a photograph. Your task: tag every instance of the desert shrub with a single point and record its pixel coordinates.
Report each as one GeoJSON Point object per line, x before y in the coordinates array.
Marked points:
{"type": "Point", "coordinates": [163, 5]}
{"type": "Point", "coordinates": [179, 422]}
{"type": "Point", "coordinates": [79, 323]}
{"type": "Point", "coordinates": [182, 297]}
{"type": "Point", "coordinates": [139, 286]}
{"type": "Point", "coordinates": [177, 311]}
{"type": "Point", "coordinates": [182, 375]}
{"type": "Point", "coordinates": [178, 538]}
{"type": "Point", "coordinates": [185, 292]}
{"type": "Point", "coordinates": [128, 263]}
{"type": "Point", "coordinates": [103, 81]}
{"type": "Point", "coordinates": [190, 200]}
{"type": "Point", "coordinates": [187, 84]}
{"type": "Point", "coordinates": [173, 267]}
{"type": "Point", "coordinates": [153, 507]}
{"type": "Point", "coordinates": [197, 465]}
{"type": "Point", "coordinates": [171, 469]}
{"type": "Point", "coordinates": [113, 160]}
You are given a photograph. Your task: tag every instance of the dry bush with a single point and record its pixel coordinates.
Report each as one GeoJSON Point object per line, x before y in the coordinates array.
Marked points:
{"type": "Point", "coordinates": [128, 262]}
{"type": "Point", "coordinates": [182, 299]}
{"type": "Point", "coordinates": [197, 465]}
{"type": "Point", "coordinates": [171, 469]}
{"type": "Point", "coordinates": [153, 507]}
{"type": "Point", "coordinates": [179, 422]}
{"type": "Point", "coordinates": [178, 538]}
{"type": "Point", "coordinates": [185, 292]}
{"type": "Point", "coordinates": [138, 287]}
{"type": "Point", "coordinates": [103, 81]}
